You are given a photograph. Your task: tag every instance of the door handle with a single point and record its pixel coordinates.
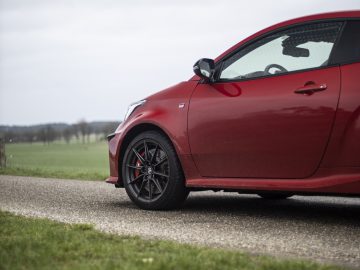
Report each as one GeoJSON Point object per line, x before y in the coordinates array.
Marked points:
{"type": "Point", "coordinates": [311, 88]}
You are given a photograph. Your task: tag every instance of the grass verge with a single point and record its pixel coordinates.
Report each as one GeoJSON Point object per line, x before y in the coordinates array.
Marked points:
{"type": "Point", "coordinates": [88, 161]}
{"type": "Point", "coordinates": [28, 243]}
{"type": "Point", "coordinates": [51, 173]}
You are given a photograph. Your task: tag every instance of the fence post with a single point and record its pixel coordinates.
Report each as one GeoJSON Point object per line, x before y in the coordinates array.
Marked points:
{"type": "Point", "coordinates": [2, 154]}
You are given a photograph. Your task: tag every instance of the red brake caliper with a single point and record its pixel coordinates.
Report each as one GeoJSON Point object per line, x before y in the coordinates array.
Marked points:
{"type": "Point", "coordinates": [138, 164]}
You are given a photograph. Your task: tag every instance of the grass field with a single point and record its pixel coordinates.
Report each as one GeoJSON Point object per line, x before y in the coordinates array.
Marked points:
{"type": "Point", "coordinates": [58, 160]}
{"type": "Point", "coordinates": [28, 243]}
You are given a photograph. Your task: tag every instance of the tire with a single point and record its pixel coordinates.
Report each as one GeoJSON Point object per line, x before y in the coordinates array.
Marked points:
{"type": "Point", "coordinates": [275, 196]}
{"type": "Point", "coordinates": [152, 174]}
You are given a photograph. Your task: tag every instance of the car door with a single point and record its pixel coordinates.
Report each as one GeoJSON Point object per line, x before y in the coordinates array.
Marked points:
{"type": "Point", "coordinates": [270, 111]}
{"type": "Point", "coordinates": [344, 146]}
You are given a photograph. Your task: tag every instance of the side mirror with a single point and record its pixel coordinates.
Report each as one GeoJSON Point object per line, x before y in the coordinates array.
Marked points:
{"type": "Point", "coordinates": [205, 69]}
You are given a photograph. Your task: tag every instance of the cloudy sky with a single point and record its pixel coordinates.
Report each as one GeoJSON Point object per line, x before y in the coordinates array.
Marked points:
{"type": "Point", "coordinates": [62, 61]}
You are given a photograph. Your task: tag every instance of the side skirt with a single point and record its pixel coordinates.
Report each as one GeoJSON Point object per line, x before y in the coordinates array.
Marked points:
{"type": "Point", "coordinates": [337, 184]}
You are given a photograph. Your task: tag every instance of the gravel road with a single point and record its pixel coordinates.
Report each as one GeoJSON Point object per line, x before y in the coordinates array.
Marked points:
{"type": "Point", "coordinates": [326, 229]}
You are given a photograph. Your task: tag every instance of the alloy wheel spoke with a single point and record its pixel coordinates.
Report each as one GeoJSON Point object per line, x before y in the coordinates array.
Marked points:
{"type": "Point", "coordinates": [141, 187]}
{"type": "Point", "coordinates": [146, 151]}
{"type": "Point", "coordinates": [136, 179]}
{"type": "Point", "coordinates": [154, 155]}
{"type": "Point", "coordinates": [157, 184]}
{"type": "Point", "coordinates": [161, 174]}
{"type": "Point", "coordinates": [142, 160]}
{"type": "Point", "coordinates": [135, 167]}
{"type": "Point", "coordinates": [160, 162]}
{"type": "Point", "coordinates": [150, 189]}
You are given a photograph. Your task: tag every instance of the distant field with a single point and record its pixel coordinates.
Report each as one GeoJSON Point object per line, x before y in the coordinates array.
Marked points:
{"type": "Point", "coordinates": [60, 160]}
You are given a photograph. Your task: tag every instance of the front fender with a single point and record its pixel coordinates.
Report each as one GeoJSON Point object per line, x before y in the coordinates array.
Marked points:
{"type": "Point", "coordinates": [167, 110]}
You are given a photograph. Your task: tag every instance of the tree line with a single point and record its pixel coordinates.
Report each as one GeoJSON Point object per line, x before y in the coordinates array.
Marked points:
{"type": "Point", "coordinates": [48, 133]}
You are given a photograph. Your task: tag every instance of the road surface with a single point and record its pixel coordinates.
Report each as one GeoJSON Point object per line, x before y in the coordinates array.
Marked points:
{"type": "Point", "coordinates": [326, 229]}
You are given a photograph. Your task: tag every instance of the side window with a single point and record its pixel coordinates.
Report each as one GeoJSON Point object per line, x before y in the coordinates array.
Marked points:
{"type": "Point", "coordinates": [297, 48]}
{"type": "Point", "coordinates": [348, 48]}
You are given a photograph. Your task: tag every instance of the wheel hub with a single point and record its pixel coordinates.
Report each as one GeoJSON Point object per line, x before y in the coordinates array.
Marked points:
{"type": "Point", "coordinates": [149, 170]}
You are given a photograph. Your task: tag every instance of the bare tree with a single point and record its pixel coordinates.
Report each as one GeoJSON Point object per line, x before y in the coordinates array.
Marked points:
{"type": "Point", "coordinates": [29, 136]}
{"type": "Point", "coordinates": [75, 131]}
{"type": "Point", "coordinates": [41, 135]}
{"type": "Point", "coordinates": [2, 154]}
{"type": "Point", "coordinates": [46, 134]}
{"type": "Point", "coordinates": [67, 134]}
{"type": "Point", "coordinates": [50, 134]}
{"type": "Point", "coordinates": [83, 129]}
{"type": "Point", "coordinates": [88, 132]}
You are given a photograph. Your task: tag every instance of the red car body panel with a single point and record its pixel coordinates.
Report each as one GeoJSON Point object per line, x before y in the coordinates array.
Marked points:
{"type": "Point", "coordinates": [315, 139]}
{"type": "Point", "coordinates": [161, 110]}
{"type": "Point", "coordinates": [260, 128]}
{"type": "Point", "coordinates": [344, 146]}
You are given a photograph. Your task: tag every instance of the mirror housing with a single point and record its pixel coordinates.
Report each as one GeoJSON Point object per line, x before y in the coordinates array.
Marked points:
{"type": "Point", "coordinates": [205, 69]}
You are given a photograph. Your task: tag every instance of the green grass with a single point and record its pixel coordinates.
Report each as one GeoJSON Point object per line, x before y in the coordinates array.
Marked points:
{"type": "Point", "coordinates": [58, 160]}
{"type": "Point", "coordinates": [27, 243]}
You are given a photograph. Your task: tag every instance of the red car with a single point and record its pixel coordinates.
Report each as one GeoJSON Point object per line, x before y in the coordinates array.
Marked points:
{"type": "Point", "coordinates": [277, 114]}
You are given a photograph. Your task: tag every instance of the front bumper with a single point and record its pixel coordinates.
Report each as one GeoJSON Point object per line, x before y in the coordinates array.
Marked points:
{"type": "Point", "coordinates": [114, 142]}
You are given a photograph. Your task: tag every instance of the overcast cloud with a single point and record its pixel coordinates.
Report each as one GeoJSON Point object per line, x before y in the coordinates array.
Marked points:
{"type": "Point", "coordinates": [61, 61]}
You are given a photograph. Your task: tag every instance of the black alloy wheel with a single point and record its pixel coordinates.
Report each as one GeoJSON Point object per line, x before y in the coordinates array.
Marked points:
{"type": "Point", "coordinates": [152, 174]}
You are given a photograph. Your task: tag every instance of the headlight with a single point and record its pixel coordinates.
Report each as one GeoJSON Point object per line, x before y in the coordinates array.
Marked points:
{"type": "Point", "coordinates": [132, 107]}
